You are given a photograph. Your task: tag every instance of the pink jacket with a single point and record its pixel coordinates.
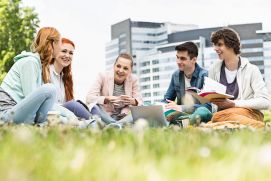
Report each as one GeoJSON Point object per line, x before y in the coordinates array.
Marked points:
{"type": "Point", "coordinates": [104, 86]}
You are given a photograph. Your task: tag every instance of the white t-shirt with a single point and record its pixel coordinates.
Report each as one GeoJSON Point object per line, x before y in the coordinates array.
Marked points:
{"type": "Point", "coordinates": [230, 75]}
{"type": "Point", "coordinates": [187, 82]}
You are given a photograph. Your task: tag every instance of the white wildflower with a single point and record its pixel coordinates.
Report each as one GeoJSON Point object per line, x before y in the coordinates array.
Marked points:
{"type": "Point", "coordinates": [264, 155]}
{"type": "Point", "coordinates": [141, 125]}
{"type": "Point", "coordinates": [204, 152]}
{"type": "Point", "coordinates": [78, 160]}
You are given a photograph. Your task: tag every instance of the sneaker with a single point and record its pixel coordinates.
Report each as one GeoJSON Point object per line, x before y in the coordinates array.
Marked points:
{"type": "Point", "coordinates": [114, 125]}
{"type": "Point", "coordinates": [100, 124]}
{"type": "Point", "coordinates": [86, 123]}
{"type": "Point", "coordinates": [185, 123]}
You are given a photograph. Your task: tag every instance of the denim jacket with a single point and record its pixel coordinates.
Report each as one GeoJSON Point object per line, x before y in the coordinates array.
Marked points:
{"type": "Point", "coordinates": [177, 87]}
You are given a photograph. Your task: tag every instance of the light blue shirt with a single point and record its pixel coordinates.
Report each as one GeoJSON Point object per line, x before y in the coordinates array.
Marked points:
{"type": "Point", "coordinates": [24, 76]}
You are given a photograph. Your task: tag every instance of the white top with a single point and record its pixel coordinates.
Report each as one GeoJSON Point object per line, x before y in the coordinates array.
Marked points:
{"type": "Point", "coordinates": [187, 82]}
{"type": "Point", "coordinates": [230, 75]}
{"type": "Point", "coordinates": [56, 79]}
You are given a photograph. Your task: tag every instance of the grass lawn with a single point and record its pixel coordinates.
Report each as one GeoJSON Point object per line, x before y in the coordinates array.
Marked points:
{"type": "Point", "coordinates": [63, 153]}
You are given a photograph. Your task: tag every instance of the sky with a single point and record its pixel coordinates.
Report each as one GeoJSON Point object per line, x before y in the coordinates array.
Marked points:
{"type": "Point", "coordinates": [88, 22]}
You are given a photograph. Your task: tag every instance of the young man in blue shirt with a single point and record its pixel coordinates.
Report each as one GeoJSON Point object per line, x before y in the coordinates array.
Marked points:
{"type": "Point", "coordinates": [189, 74]}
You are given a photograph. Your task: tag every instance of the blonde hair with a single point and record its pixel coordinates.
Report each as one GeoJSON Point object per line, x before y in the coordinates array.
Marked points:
{"type": "Point", "coordinates": [43, 45]}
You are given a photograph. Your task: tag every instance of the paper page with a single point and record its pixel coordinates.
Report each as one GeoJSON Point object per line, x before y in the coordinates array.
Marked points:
{"type": "Point", "coordinates": [211, 85]}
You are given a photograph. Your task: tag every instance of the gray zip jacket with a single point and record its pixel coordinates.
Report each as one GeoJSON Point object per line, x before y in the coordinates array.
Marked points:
{"type": "Point", "coordinates": [252, 90]}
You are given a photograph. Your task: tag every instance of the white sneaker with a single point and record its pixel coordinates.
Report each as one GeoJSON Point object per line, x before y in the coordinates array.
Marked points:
{"type": "Point", "coordinates": [114, 125]}
{"type": "Point", "coordinates": [86, 123]}
{"type": "Point", "coordinates": [100, 124]}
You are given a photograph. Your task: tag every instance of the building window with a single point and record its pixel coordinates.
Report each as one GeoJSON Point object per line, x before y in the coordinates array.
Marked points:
{"type": "Point", "coordinates": [156, 94]}
{"type": "Point", "coordinates": [155, 77]}
{"type": "Point", "coordinates": [155, 62]}
{"type": "Point", "coordinates": [155, 70]}
{"type": "Point", "coordinates": [145, 87]}
{"type": "Point", "coordinates": [144, 64]}
{"type": "Point", "coordinates": [110, 47]}
{"type": "Point", "coordinates": [146, 71]}
{"type": "Point", "coordinates": [141, 48]}
{"type": "Point", "coordinates": [252, 41]}
{"type": "Point", "coordinates": [146, 79]}
{"type": "Point", "coordinates": [248, 50]}
{"type": "Point", "coordinates": [156, 85]}
{"type": "Point", "coordinates": [147, 95]}
{"type": "Point", "coordinates": [157, 100]}
{"type": "Point", "coordinates": [123, 35]}
{"type": "Point", "coordinates": [255, 58]}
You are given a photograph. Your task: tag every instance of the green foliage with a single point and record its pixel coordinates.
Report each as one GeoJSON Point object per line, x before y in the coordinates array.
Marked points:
{"type": "Point", "coordinates": [267, 116]}
{"type": "Point", "coordinates": [17, 28]}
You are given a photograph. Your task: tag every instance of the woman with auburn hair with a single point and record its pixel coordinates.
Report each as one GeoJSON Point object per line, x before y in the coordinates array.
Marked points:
{"type": "Point", "coordinates": [23, 98]}
{"type": "Point", "coordinates": [61, 77]}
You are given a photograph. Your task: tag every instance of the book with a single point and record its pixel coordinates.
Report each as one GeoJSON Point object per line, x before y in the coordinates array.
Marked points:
{"type": "Point", "coordinates": [211, 90]}
{"type": "Point", "coordinates": [206, 97]}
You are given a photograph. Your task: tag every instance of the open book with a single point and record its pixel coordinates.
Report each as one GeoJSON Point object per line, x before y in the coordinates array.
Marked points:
{"type": "Point", "coordinates": [211, 90]}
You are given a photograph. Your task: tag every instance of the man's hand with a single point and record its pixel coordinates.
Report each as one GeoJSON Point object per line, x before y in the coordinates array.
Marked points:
{"type": "Point", "coordinates": [173, 105]}
{"type": "Point", "coordinates": [223, 103]}
{"type": "Point", "coordinates": [127, 100]}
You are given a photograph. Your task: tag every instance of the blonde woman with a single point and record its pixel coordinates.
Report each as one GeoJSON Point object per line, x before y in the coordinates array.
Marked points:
{"type": "Point", "coordinates": [116, 91]}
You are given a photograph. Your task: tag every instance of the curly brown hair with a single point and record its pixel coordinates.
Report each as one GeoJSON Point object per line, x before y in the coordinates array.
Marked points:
{"type": "Point", "coordinates": [231, 39]}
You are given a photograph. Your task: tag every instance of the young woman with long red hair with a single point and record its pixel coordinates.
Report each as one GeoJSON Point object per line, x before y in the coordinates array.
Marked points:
{"type": "Point", "coordinates": [61, 77]}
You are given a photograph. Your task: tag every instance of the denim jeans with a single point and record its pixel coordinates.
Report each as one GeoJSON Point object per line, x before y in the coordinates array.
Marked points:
{"type": "Point", "coordinates": [78, 109]}
{"type": "Point", "coordinates": [34, 107]}
{"type": "Point", "coordinates": [65, 114]}
{"type": "Point", "coordinates": [108, 119]}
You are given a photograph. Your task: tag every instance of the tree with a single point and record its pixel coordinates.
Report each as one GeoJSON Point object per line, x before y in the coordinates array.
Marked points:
{"type": "Point", "coordinates": [17, 28]}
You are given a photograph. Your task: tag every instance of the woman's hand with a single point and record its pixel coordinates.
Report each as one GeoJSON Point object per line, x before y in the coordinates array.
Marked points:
{"type": "Point", "coordinates": [111, 99]}
{"type": "Point", "coordinates": [223, 103]}
{"type": "Point", "coordinates": [127, 100]}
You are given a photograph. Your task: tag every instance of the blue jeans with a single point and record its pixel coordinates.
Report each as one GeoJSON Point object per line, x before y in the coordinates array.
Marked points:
{"type": "Point", "coordinates": [34, 107]}
{"type": "Point", "coordinates": [80, 111]}
{"type": "Point", "coordinates": [108, 119]}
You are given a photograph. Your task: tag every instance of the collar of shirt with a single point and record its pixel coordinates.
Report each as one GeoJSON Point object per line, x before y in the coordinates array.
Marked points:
{"type": "Point", "coordinates": [52, 68]}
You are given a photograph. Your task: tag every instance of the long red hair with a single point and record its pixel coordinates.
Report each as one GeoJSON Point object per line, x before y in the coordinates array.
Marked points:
{"type": "Point", "coordinates": [67, 75]}
{"type": "Point", "coordinates": [43, 45]}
